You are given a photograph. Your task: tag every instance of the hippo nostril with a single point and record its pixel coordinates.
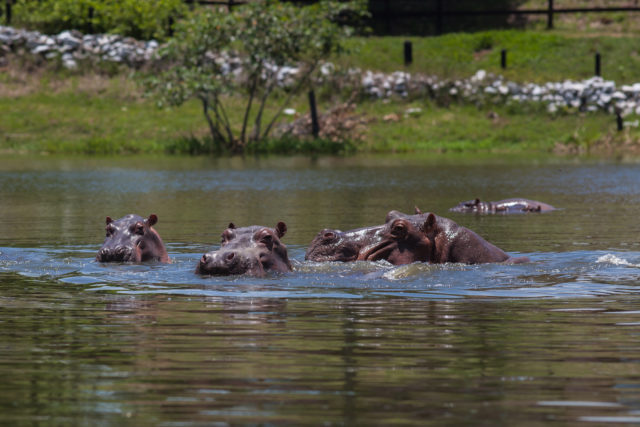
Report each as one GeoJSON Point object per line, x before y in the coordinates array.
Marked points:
{"type": "Point", "coordinates": [204, 259]}
{"type": "Point", "coordinates": [230, 256]}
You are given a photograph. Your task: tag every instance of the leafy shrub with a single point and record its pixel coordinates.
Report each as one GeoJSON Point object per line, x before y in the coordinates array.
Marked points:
{"type": "Point", "coordinates": [263, 36]}
{"type": "Point", "coordinates": [142, 19]}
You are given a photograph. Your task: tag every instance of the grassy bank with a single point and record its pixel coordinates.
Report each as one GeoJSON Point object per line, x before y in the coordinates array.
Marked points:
{"type": "Point", "coordinates": [54, 111]}
{"type": "Point", "coordinates": [532, 56]}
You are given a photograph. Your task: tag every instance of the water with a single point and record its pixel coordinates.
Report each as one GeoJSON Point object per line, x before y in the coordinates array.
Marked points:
{"type": "Point", "coordinates": [554, 341]}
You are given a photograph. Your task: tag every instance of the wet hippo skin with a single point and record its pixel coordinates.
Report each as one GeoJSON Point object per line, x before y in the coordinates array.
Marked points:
{"type": "Point", "coordinates": [506, 206]}
{"type": "Point", "coordinates": [132, 239]}
{"type": "Point", "coordinates": [252, 250]}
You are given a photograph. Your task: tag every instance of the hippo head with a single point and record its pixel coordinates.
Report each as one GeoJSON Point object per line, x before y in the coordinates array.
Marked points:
{"type": "Point", "coordinates": [336, 245]}
{"type": "Point", "coordinates": [469, 206]}
{"type": "Point", "coordinates": [132, 239]}
{"type": "Point", "coordinates": [247, 250]}
{"type": "Point", "coordinates": [402, 240]}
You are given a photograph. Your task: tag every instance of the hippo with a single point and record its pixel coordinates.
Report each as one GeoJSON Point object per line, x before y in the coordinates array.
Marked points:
{"type": "Point", "coordinates": [430, 238]}
{"type": "Point", "coordinates": [252, 250]}
{"type": "Point", "coordinates": [336, 245]}
{"type": "Point", "coordinates": [132, 239]}
{"type": "Point", "coordinates": [506, 206]}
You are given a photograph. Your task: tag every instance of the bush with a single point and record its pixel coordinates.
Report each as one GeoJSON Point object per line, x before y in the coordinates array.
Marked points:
{"type": "Point", "coordinates": [142, 19]}
{"type": "Point", "coordinates": [263, 36]}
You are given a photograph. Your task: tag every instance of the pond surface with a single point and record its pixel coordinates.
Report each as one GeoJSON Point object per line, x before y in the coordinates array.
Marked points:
{"type": "Point", "coordinates": [553, 341]}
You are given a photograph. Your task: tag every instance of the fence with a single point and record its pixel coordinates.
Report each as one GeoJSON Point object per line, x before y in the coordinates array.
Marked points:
{"type": "Point", "coordinates": [388, 12]}
{"type": "Point", "coordinates": [414, 18]}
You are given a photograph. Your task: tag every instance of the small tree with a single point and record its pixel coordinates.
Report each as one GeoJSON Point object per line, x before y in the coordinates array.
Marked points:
{"type": "Point", "coordinates": [262, 37]}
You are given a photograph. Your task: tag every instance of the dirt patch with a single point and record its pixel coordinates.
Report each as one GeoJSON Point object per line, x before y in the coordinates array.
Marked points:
{"type": "Point", "coordinates": [22, 77]}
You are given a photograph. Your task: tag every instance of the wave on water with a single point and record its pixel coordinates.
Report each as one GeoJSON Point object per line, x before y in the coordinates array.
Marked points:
{"type": "Point", "coordinates": [615, 260]}
{"type": "Point", "coordinates": [575, 274]}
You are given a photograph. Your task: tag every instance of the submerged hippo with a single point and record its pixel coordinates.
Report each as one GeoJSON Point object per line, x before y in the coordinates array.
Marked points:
{"type": "Point", "coordinates": [505, 206]}
{"type": "Point", "coordinates": [252, 250]}
{"type": "Point", "coordinates": [435, 239]}
{"type": "Point", "coordinates": [336, 245]}
{"type": "Point", "coordinates": [132, 239]}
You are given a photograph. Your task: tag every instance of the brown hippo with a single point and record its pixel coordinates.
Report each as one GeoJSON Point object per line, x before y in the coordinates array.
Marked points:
{"type": "Point", "coordinates": [506, 206]}
{"type": "Point", "coordinates": [428, 237]}
{"type": "Point", "coordinates": [132, 239]}
{"type": "Point", "coordinates": [336, 245]}
{"type": "Point", "coordinates": [252, 250]}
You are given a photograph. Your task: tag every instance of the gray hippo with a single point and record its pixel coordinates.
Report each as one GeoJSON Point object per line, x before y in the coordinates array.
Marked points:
{"type": "Point", "coordinates": [506, 206]}
{"type": "Point", "coordinates": [252, 250]}
{"type": "Point", "coordinates": [336, 245]}
{"type": "Point", "coordinates": [132, 239]}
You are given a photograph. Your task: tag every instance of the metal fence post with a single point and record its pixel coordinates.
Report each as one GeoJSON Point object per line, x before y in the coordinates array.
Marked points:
{"type": "Point", "coordinates": [503, 58]}
{"type": "Point", "coordinates": [597, 64]}
{"type": "Point", "coordinates": [550, 15]}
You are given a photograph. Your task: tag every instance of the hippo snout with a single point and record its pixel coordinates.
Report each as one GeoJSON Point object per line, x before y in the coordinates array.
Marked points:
{"type": "Point", "coordinates": [118, 254]}
{"type": "Point", "coordinates": [216, 263]}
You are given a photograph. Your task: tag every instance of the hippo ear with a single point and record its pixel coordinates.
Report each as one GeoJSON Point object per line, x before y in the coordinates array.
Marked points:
{"type": "Point", "coordinates": [417, 210]}
{"type": "Point", "coordinates": [476, 201]}
{"type": "Point", "coordinates": [231, 225]}
{"type": "Point", "coordinates": [429, 223]}
{"type": "Point", "coordinates": [109, 220]}
{"type": "Point", "coordinates": [152, 220]}
{"type": "Point", "coordinates": [281, 229]}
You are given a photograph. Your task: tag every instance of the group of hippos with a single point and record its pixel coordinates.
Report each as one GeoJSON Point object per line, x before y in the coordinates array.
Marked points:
{"type": "Point", "coordinates": [254, 250]}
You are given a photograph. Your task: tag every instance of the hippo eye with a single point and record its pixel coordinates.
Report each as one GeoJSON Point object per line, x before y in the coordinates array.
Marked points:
{"type": "Point", "coordinates": [328, 236]}
{"type": "Point", "coordinates": [267, 238]}
{"type": "Point", "coordinates": [398, 229]}
{"type": "Point", "coordinates": [227, 235]}
{"type": "Point", "coordinates": [139, 229]}
{"type": "Point", "coordinates": [110, 230]}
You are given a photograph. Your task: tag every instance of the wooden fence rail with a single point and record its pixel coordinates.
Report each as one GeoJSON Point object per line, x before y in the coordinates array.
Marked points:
{"type": "Point", "coordinates": [438, 14]}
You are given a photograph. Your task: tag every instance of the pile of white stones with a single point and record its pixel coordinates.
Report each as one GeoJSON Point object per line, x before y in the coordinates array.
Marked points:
{"type": "Point", "coordinates": [72, 46]}
{"type": "Point", "coordinates": [592, 94]}
{"type": "Point", "coordinates": [587, 95]}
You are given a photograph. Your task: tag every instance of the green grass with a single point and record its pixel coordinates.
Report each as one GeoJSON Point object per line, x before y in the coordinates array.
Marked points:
{"type": "Point", "coordinates": [60, 112]}
{"type": "Point", "coordinates": [499, 129]}
{"type": "Point", "coordinates": [532, 56]}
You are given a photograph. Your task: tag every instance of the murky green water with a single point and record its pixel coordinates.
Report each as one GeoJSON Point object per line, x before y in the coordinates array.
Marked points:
{"type": "Point", "coordinates": [555, 341]}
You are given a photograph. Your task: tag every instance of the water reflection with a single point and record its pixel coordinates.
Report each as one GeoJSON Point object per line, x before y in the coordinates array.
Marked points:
{"type": "Point", "coordinates": [171, 359]}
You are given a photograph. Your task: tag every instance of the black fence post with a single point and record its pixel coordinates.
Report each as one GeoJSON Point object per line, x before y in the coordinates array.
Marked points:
{"type": "Point", "coordinates": [503, 58]}
{"type": "Point", "coordinates": [229, 5]}
{"type": "Point", "coordinates": [597, 63]}
{"type": "Point", "coordinates": [315, 126]}
{"type": "Point", "coordinates": [439, 17]}
{"type": "Point", "coordinates": [170, 29]}
{"type": "Point", "coordinates": [387, 12]}
{"type": "Point", "coordinates": [90, 24]}
{"type": "Point", "coordinates": [619, 121]}
{"type": "Point", "coordinates": [550, 15]}
{"type": "Point", "coordinates": [7, 12]}
{"type": "Point", "coordinates": [408, 53]}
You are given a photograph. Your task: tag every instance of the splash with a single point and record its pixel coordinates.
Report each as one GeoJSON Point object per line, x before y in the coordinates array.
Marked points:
{"type": "Point", "coordinates": [612, 259]}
